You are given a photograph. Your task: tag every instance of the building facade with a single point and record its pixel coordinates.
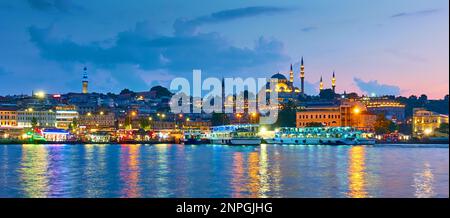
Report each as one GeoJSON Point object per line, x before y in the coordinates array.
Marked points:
{"type": "Point", "coordinates": [65, 116]}
{"type": "Point", "coordinates": [43, 118]}
{"type": "Point", "coordinates": [345, 113]}
{"type": "Point", "coordinates": [425, 122]}
{"type": "Point", "coordinates": [99, 120]}
{"type": "Point", "coordinates": [8, 117]}
{"type": "Point", "coordinates": [392, 109]}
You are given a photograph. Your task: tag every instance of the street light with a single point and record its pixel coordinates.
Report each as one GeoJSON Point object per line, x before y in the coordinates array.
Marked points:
{"type": "Point", "coordinates": [40, 94]}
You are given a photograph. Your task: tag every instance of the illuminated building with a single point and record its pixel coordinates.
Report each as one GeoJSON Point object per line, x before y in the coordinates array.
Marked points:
{"type": "Point", "coordinates": [55, 135]}
{"type": "Point", "coordinates": [43, 118]}
{"type": "Point", "coordinates": [85, 81]}
{"type": "Point", "coordinates": [327, 115]}
{"type": "Point", "coordinates": [200, 125]}
{"type": "Point", "coordinates": [391, 108]}
{"type": "Point", "coordinates": [8, 117]}
{"type": "Point", "coordinates": [426, 122]}
{"type": "Point", "coordinates": [346, 113]}
{"type": "Point", "coordinates": [65, 116]}
{"type": "Point", "coordinates": [99, 120]}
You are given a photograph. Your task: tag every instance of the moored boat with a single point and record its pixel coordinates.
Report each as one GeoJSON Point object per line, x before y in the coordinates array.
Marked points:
{"type": "Point", "coordinates": [194, 137]}
{"type": "Point", "coordinates": [321, 136]}
{"type": "Point", "coordinates": [241, 134]}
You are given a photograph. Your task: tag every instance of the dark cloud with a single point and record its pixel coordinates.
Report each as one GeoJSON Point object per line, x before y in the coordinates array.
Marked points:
{"type": "Point", "coordinates": [374, 87]}
{"type": "Point", "coordinates": [175, 53]}
{"type": "Point", "coordinates": [188, 26]}
{"type": "Point", "coordinates": [54, 5]}
{"type": "Point", "coordinates": [148, 51]}
{"type": "Point", "coordinates": [308, 29]}
{"type": "Point", "coordinates": [415, 13]}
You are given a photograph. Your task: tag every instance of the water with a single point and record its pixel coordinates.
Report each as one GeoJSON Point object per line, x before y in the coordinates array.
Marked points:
{"type": "Point", "coordinates": [224, 171]}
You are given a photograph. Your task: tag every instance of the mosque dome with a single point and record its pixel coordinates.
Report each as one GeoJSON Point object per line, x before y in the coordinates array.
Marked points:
{"type": "Point", "coordinates": [279, 76]}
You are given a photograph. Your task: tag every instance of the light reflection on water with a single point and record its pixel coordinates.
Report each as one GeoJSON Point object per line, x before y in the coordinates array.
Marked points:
{"type": "Point", "coordinates": [166, 170]}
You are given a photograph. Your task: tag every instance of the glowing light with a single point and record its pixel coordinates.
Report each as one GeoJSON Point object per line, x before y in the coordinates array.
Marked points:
{"type": "Point", "coordinates": [356, 110]}
{"type": "Point", "coordinates": [40, 94]}
{"type": "Point", "coordinates": [89, 114]}
{"type": "Point", "coordinates": [428, 131]}
{"type": "Point", "coordinates": [101, 113]}
{"type": "Point", "coordinates": [263, 129]}
{"type": "Point", "coordinates": [133, 113]}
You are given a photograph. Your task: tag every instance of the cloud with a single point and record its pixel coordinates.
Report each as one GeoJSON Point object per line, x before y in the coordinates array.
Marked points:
{"type": "Point", "coordinates": [185, 26]}
{"type": "Point", "coordinates": [151, 51]}
{"type": "Point", "coordinates": [54, 5]}
{"type": "Point", "coordinates": [309, 29]}
{"type": "Point", "coordinates": [415, 13]}
{"type": "Point", "coordinates": [374, 87]}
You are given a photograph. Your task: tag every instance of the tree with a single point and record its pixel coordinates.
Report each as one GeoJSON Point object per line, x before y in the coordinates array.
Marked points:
{"type": "Point", "coordinates": [423, 99]}
{"type": "Point", "coordinates": [384, 126]}
{"type": "Point", "coordinates": [219, 119]}
{"type": "Point", "coordinates": [127, 122]}
{"type": "Point", "coordinates": [286, 116]}
{"type": "Point", "coordinates": [34, 122]}
{"type": "Point", "coordinates": [443, 128]}
{"type": "Point", "coordinates": [144, 123]}
{"type": "Point", "coordinates": [74, 124]}
{"type": "Point", "coordinates": [161, 91]}
{"type": "Point", "coordinates": [126, 91]}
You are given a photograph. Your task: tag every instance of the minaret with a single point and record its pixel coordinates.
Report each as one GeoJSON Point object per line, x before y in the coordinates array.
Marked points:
{"type": "Point", "coordinates": [85, 81]}
{"type": "Point", "coordinates": [291, 76]}
{"type": "Point", "coordinates": [302, 78]}
{"type": "Point", "coordinates": [333, 83]}
{"type": "Point", "coordinates": [321, 84]}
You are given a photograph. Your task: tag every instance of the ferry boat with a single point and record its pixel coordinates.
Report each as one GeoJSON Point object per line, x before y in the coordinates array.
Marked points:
{"type": "Point", "coordinates": [241, 134]}
{"type": "Point", "coordinates": [194, 137]}
{"type": "Point", "coordinates": [321, 136]}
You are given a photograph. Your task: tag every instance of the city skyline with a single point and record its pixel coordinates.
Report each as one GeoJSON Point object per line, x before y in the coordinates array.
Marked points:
{"type": "Point", "coordinates": [371, 47]}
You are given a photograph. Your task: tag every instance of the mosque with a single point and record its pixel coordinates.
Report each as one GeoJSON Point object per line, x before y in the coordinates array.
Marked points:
{"type": "Point", "coordinates": [286, 89]}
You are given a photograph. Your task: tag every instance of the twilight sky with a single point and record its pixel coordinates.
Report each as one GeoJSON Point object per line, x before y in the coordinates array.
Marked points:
{"type": "Point", "coordinates": [383, 47]}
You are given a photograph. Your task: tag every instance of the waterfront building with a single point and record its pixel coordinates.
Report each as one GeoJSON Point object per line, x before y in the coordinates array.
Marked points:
{"type": "Point", "coordinates": [195, 125]}
{"type": "Point", "coordinates": [425, 122]}
{"type": "Point", "coordinates": [98, 120]}
{"type": "Point", "coordinates": [8, 117]}
{"type": "Point", "coordinates": [43, 118]}
{"type": "Point", "coordinates": [342, 113]}
{"type": "Point", "coordinates": [55, 135]}
{"type": "Point", "coordinates": [392, 109]}
{"type": "Point", "coordinates": [65, 116]}
{"type": "Point", "coordinates": [325, 115]}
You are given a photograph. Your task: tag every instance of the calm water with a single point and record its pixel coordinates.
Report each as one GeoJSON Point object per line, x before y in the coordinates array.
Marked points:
{"type": "Point", "coordinates": [223, 171]}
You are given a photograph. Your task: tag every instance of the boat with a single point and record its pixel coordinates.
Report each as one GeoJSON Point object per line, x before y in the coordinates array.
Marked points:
{"type": "Point", "coordinates": [195, 137]}
{"type": "Point", "coordinates": [321, 136]}
{"type": "Point", "coordinates": [240, 134]}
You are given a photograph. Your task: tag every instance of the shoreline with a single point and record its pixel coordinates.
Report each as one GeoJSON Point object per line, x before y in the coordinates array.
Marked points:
{"type": "Point", "coordinates": [174, 142]}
